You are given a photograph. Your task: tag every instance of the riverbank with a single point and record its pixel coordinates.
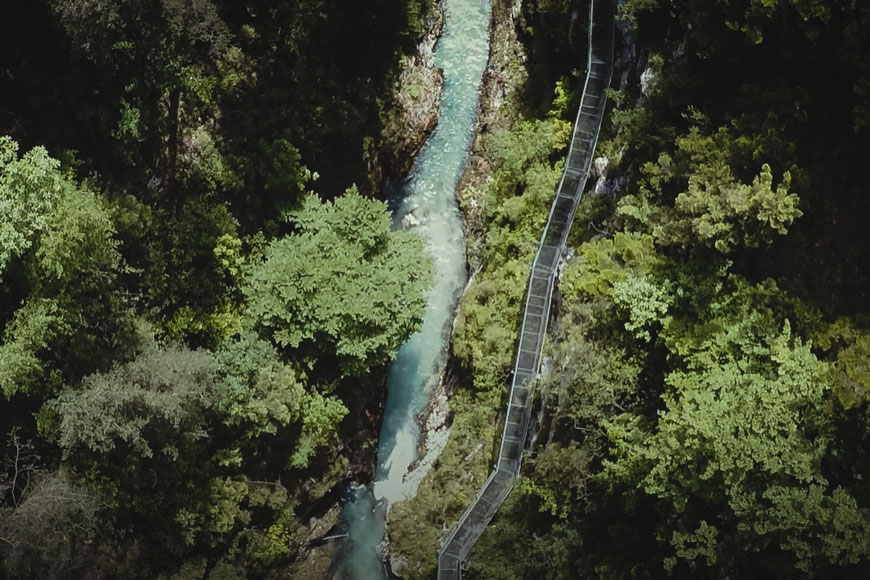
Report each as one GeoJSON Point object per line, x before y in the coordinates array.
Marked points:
{"type": "Point", "coordinates": [416, 97]}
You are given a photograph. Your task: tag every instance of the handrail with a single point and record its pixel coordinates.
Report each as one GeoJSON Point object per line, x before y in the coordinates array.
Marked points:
{"type": "Point", "coordinates": [458, 543]}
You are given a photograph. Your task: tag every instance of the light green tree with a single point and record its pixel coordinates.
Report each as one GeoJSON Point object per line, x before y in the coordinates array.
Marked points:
{"type": "Point", "coordinates": [320, 419]}
{"type": "Point", "coordinates": [58, 259]}
{"type": "Point", "coordinates": [644, 303]}
{"type": "Point", "coordinates": [28, 188]}
{"type": "Point", "coordinates": [259, 393]}
{"type": "Point", "coordinates": [42, 211]}
{"type": "Point", "coordinates": [725, 214]}
{"type": "Point", "coordinates": [734, 460]}
{"type": "Point", "coordinates": [603, 264]}
{"type": "Point", "coordinates": [343, 285]}
{"type": "Point", "coordinates": [36, 324]}
{"type": "Point", "coordinates": [712, 207]}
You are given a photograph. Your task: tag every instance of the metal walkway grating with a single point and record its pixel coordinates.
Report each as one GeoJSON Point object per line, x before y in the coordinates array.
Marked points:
{"type": "Point", "coordinates": [459, 542]}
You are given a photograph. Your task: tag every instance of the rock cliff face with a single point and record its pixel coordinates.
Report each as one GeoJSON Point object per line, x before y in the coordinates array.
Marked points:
{"type": "Point", "coordinates": [504, 75]}
{"type": "Point", "coordinates": [316, 559]}
{"type": "Point", "coordinates": [417, 96]}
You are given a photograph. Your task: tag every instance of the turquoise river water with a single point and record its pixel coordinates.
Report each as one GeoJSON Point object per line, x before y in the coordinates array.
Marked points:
{"type": "Point", "coordinates": [426, 203]}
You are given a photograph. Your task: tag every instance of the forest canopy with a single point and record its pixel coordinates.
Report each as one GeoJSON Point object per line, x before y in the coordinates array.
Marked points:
{"type": "Point", "coordinates": [197, 304]}
{"type": "Point", "coordinates": [201, 289]}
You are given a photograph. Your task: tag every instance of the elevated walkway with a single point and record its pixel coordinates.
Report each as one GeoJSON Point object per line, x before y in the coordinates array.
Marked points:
{"type": "Point", "coordinates": [458, 543]}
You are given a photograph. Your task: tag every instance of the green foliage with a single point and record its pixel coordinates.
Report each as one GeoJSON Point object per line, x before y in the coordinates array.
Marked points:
{"type": "Point", "coordinates": [414, 526]}
{"type": "Point", "coordinates": [191, 271]}
{"type": "Point", "coordinates": [741, 429]}
{"type": "Point", "coordinates": [644, 302]}
{"type": "Point", "coordinates": [726, 215]}
{"type": "Point", "coordinates": [319, 422]}
{"type": "Point", "coordinates": [189, 118]}
{"type": "Point", "coordinates": [594, 378]}
{"type": "Point", "coordinates": [157, 403]}
{"type": "Point", "coordinates": [711, 206]}
{"type": "Point", "coordinates": [194, 421]}
{"type": "Point", "coordinates": [850, 371]}
{"type": "Point", "coordinates": [28, 189]}
{"type": "Point", "coordinates": [563, 100]}
{"type": "Point", "coordinates": [525, 146]}
{"type": "Point", "coordinates": [561, 477]}
{"type": "Point", "coordinates": [345, 284]}
{"type": "Point", "coordinates": [285, 173]}
{"type": "Point", "coordinates": [41, 208]}
{"type": "Point", "coordinates": [607, 262]}
{"type": "Point", "coordinates": [56, 253]}
{"type": "Point", "coordinates": [224, 510]}
{"type": "Point", "coordinates": [260, 393]}
{"type": "Point", "coordinates": [77, 238]}
{"type": "Point", "coordinates": [486, 325]}
{"type": "Point", "coordinates": [516, 202]}
{"type": "Point", "coordinates": [34, 326]}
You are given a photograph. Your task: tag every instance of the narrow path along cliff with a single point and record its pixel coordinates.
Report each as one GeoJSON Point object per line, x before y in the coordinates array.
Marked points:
{"type": "Point", "coordinates": [459, 542]}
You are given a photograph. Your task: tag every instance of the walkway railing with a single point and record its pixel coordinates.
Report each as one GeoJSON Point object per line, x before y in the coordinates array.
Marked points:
{"type": "Point", "coordinates": [456, 546]}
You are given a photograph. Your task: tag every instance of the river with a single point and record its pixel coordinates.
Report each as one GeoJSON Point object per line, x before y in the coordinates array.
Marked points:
{"type": "Point", "coordinates": [426, 204]}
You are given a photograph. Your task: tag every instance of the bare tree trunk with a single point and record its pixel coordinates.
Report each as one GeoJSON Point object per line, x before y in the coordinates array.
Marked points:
{"type": "Point", "coordinates": [172, 148]}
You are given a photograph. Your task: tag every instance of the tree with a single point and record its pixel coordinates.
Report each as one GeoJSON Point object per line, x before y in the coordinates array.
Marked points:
{"type": "Point", "coordinates": [604, 263]}
{"type": "Point", "coordinates": [514, 206]}
{"type": "Point", "coordinates": [35, 325]}
{"type": "Point", "coordinates": [319, 423]}
{"type": "Point", "coordinates": [152, 49]}
{"type": "Point", "coordinates": [28, 187]}
{"type": "Point", "coordinates": [46, 534]}
{"type": "Point", "coordinates": [848, 347]}
{"type": "Point", "coordinates": [157, 404]}
{"type": "Point", "coordinates": [343, 285]}
{"type": "Point", "coordinates": [485, 336]}
{"type": "Point", "coordinates": [725, 214]}
{"type": "Point", "coordinates": [155, 432]}
{"type": "Point", "coordinates": [42, 209]}
{"type": "Point", "coordinates": [192, 271]}
{"type": "Point", "coordinates": [260, 393]}
{"type": "Point", "coordinates": [711, 21]}
{"type": "Point", "coordinates": [734, 461]}
{"type": "Point", "coordinates": [644, 302]}
{"type": "Point", "coordinates": [57, 253]}
{"type": "Point", "coordinates": [711, 205]}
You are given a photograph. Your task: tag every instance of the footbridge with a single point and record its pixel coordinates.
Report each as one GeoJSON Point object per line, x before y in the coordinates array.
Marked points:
{"type": "Point", "coordinates": [456, 546]}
